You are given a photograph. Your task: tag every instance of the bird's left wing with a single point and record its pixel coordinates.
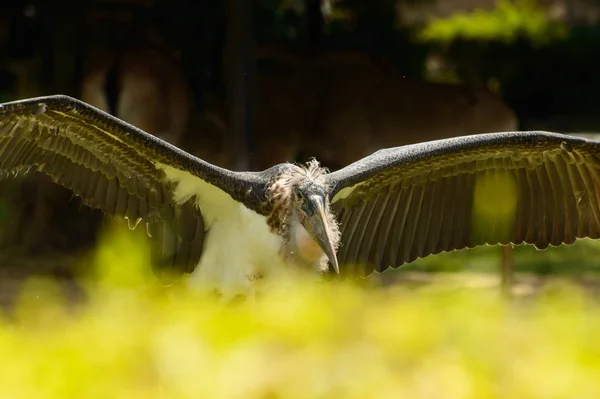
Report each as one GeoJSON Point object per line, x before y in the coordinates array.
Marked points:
{"type": "Point", "coordinates": [402, 203]}
{"type": "Point", "coordinates": [114, 167]}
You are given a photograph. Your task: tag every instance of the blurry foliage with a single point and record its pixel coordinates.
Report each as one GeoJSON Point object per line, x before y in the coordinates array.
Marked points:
{"type": "Point", "coordinates": [514, 48]}
{"type": "Point", "coordinates": [509, 21]}
{"type": "Point", "coordinates": [121, 258]}
{"type": "Point", "coordinates": [544, 69]}
{"type": "Point", "coordinates": [368, 26]}
{"type": "Point", "coordinates": [309, 341]}
{"type": "Point", "coordinates": [275, 22]}
{"type": "Point", "coordinates": [372, 27]}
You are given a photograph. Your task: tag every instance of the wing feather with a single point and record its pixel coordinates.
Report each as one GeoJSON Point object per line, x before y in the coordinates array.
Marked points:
{"type": "Point", "coordinates": [535, 188]}
{"type": "Point", "coordinates": [113, 166]}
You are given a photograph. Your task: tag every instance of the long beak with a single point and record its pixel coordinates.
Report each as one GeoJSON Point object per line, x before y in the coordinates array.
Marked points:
{"type": "Point", "coordinates": [320, 229]}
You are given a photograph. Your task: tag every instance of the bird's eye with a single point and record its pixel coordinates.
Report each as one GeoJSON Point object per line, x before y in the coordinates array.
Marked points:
{"type": "Point", "coordinates": [299, 195]}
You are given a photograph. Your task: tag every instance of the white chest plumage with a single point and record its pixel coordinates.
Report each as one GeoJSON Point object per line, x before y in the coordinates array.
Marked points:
{"type": "Point", "coordinates": [238, 247]}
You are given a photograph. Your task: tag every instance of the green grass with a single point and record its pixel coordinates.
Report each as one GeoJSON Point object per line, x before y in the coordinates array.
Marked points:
{"type": "Point", "coordinates": [132, 339]}
{"type": "Point", "coordinates": [577, 260]}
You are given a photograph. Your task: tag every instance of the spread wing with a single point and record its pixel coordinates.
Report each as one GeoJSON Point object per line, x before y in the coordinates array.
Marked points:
{"type": "Point", "coordinates": [403, 203]}
{"type": "Point", "coordinates": [116, 168]}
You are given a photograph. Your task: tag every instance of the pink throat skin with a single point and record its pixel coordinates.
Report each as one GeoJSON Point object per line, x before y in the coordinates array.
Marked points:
{"type": "Point", "coordinates": [307, 248]}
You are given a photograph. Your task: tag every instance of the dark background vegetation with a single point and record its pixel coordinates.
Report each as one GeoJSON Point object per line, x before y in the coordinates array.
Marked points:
{"type": "Point", "coordinates": [541, 55]}
{"type": "Point", "coordinates": [541, 58]}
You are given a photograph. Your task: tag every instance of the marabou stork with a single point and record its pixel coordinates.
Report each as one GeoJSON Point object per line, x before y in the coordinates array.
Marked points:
{"type": "Point", "coordinates": [229, 229]}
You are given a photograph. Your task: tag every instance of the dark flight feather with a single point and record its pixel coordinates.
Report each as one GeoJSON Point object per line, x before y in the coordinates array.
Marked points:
{"type": "Point", "coordinates": [111, 165]}
{"type": "Point", "coordinates": [536, 188]}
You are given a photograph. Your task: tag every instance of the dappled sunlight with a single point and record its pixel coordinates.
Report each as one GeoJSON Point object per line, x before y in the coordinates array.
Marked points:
{"type": "Point", "coordinates": [131, 338]}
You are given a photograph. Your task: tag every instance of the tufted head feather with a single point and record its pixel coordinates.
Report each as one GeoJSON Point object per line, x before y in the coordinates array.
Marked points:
{"type": "Point", "coordinates": [296, 176]}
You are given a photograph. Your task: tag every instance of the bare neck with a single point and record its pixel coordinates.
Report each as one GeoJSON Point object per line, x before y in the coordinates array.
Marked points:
{"type": "Point", "coordinates": [300, 248]}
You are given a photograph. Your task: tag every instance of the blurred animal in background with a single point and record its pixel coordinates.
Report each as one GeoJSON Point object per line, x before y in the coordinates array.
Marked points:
{"type": "Point", "coordinates": [341, 106]}
{"type": "Point", "coordinates": [141, 83]}
{"type": "Point", "coordinates": [359, 105]}
{"type": "Point", "coordinates": [139, 77]}
{"type": "Point", "coordinates": [207, 137]}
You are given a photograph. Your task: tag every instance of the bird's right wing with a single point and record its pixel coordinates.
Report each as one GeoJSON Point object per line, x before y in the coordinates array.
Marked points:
{"type": "Point", "coordinates": [402, 203]}
{"type": "Point", "coordinates": [116, 168]}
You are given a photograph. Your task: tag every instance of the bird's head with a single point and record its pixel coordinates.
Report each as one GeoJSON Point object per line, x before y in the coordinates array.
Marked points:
{"type": "Point", "coordinates": [311, 205]}
{"type": "Point", "coordinates": [315, 230]}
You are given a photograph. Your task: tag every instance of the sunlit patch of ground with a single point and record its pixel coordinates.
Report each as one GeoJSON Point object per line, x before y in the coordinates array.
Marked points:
{"type": "Point", "coordinates": [131, 339]}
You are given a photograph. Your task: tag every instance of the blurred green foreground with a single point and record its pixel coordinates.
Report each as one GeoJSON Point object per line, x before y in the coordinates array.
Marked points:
{"type": "Point", "coordinates": [133, 340]}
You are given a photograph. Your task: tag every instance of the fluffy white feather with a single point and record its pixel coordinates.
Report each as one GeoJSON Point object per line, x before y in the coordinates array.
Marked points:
{"type": "Point", "coordinates": [238, 246]}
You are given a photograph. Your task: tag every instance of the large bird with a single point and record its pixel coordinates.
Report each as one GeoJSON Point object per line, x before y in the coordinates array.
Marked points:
{"type": "Point", "coordinates": [233, 230]}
